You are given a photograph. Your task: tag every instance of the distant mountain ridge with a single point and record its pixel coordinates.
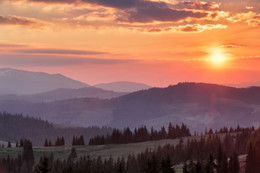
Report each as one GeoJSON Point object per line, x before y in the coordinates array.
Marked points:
{"type": "Point", "coordinates": [245, 84]}
{"type": "Point", "coordinates": [24, 82]}
{"type": "Point", "coordinates": [63, 94]}
{"type": "Point", "coordinates": [123, 86]}
{"type": "Point", "coordinates": [198, 105]}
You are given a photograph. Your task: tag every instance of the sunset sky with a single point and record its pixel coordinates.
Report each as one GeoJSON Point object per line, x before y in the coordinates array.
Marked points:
{"type": "Point", "coordinates": [157, 42]}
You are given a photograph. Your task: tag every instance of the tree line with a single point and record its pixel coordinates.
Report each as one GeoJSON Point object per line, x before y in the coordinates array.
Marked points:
{"type": "Point", "coordinates": [58, 142]}
{"type": "Point", "coordinates": [199, 155]}
{"type": "Point", "coordinates": [141, 135]}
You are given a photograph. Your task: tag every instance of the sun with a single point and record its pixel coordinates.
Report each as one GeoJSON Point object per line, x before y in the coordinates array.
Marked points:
{"type": "Point", "coordinates": [217, 56]}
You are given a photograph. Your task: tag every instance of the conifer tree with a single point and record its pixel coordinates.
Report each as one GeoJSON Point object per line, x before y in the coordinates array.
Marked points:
{"type": "Point", "coordinates": [9, 144]}
{"type": "Point", "coordinates": [43, 166]}
{"type": "Point", "coordinates": [166, 166]}
{"type": "Point", "coordinates": [209, 167]}
{"type": "Point", "coordinates": [234, 163]}
{"type": "Point", "coordinates": [220, 159]}
{"type": "Point", "coordinates": [198, 167]}
{"type": "Point", "coordinates": [73, 153]}
{"type": "Point", "coordinates": [27, 153]}
{"type": "Point", "coordinates": [250, 160]}
{"type": "Point", "coordinates": [185, 168]}
{"type": "Point", "coordinates": [224, 168]}
{"type": "Point", "coordinates": [46, 144]}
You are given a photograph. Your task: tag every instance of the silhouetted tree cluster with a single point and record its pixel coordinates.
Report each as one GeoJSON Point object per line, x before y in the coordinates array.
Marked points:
{"type": "Point", "coordinates": [22, 164]}
{"type": "Point", "coordinates": [78, 140]}
{"type": "Point", "coordinates": [45, 164]}
{"type": "Point", "coordinates": [140, 135]}
{"type": "Point", "coordinates": [58, 142]}
{"type": "Point", "coordinates": [225, 166]}
{"type": "Point", "coordinates": [253, 155]}
{"type": "Point", "coordinates": [230, 130]}
{"type": "Point", "coordinates": [47, 143]}
{"type": "Point", "coordinates": [177, 132]}
{"type": "Point", "coordinates": [98, 165]}
{"type": "Point", "coordinates": [210, 166]}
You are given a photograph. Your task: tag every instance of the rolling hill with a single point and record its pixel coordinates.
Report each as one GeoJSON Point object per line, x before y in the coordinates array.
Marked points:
{"type": "Point", "coordinates": [198, 105]}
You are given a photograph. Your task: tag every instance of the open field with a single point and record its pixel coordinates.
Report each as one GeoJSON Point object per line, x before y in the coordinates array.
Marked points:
{"type": "Point", "coordinates": [105, 151]}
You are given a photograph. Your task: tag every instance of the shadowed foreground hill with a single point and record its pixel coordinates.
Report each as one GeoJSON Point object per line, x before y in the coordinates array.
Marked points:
{"type": "Point", "coordinates": [198, 105]}
{"type": "Point", "coordinates": [15, 127]}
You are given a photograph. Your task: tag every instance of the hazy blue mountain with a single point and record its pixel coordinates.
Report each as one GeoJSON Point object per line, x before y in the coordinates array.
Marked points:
{"type": "Point", "coordinates": [123, 86]}
{"type": "Point", "coordinates": [64, 93]}
{"type": "Point", "coordinates": [24, 82]}
{"type": "Point", "coordinates": [198, 105]}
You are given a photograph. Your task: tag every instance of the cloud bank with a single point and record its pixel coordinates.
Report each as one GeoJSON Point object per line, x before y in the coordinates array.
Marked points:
{"type": "Point", "coordinates": [150, 16]}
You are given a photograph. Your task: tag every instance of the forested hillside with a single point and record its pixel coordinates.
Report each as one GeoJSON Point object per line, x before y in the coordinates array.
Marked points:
{"type": "Point", "coordinates": [15, 127]}
{"type": "Point", "coordinates": [215, 152]}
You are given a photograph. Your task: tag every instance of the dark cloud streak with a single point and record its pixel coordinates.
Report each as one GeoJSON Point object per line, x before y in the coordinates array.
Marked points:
{"type": "Point", "coordinates": [55, 1]}
{"type": "Point", "coordinates": [13, 20]}
{"type": "Point", "coordinates": [143, 10]}
{"type": "Point", "coordinates": [58, 52]}
{"type": "Point", "coordinates": [51, 60]}
{"type": "Point", "coordinates": [121, 4]}
{"type": "Point", "coordinates": [7, 45]}
{"type": "Point", "coordinates": [151, 14]}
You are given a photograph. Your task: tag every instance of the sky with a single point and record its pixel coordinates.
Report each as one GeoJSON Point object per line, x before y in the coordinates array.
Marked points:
{"type": "Point", "coordinates": [157, 42]}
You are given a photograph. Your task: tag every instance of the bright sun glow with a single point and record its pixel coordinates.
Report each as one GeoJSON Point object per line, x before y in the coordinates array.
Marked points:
{"type": "Point", "coordinates": [217, 56]}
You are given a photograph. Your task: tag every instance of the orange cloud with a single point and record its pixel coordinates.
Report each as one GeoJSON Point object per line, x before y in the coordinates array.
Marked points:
{"type": "Point", "coordinates": [250, 18]}
{"type": "Point", "coordinates": [231, 45]}
{"type": "Point", "coordinates": [199, 28]}
{"type": "Point", "coordinates": [152, 16]}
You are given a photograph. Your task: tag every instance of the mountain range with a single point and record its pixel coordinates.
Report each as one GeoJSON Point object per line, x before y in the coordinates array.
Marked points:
{"type": "Point", "coordinates": [199, 105]}
{"type": "Point", "coordinates": [64, 93]}
{"type": "Point", "coordinates": [24, 82]}
{"type": "Point", "coordinates": [39, 86]}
